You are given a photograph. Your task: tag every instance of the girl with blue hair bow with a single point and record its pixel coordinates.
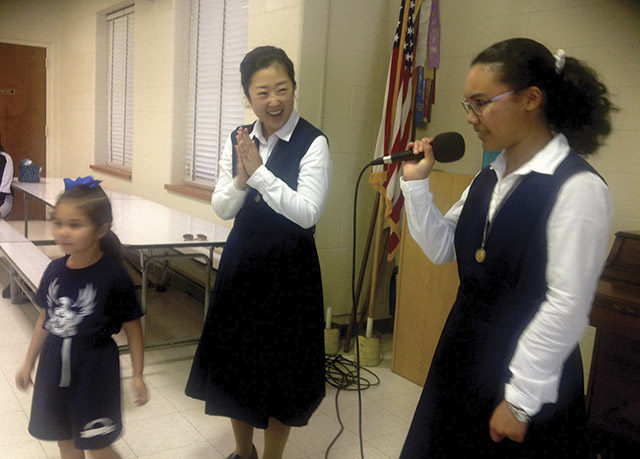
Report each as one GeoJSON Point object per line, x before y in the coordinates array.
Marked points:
{"type": "Point", "coordinates": [85, 297]}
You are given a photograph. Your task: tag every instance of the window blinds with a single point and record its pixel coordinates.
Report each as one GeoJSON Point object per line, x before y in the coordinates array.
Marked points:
{"type": "Point", "coordinates": [218, 44]}
{"type": "Point", "coordinates": [120, 88]}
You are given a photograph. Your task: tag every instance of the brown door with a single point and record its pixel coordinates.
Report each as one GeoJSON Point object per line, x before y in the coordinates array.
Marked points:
{"type": "Point", "coordinates": [22, 114]}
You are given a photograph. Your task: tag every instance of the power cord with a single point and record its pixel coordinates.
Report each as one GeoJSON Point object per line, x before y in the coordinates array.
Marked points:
{"type": "Point", "coordinates": [334, 369]}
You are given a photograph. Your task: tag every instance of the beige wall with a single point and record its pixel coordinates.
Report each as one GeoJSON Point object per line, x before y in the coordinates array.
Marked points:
{"type": "Point", "coordinates": [341, 50]}
{"type": "Point", "coordinates": [355, 68]}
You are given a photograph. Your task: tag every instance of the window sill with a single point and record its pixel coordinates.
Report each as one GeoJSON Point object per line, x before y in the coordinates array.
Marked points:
{"type": "Point", "coordinates": [192, 191]}
{"type": "Point", "coordinates": [112, 170]}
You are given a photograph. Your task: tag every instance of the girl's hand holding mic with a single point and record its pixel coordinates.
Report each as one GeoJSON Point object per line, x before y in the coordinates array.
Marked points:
{"type": "Point", "coordinates": [419, 169]}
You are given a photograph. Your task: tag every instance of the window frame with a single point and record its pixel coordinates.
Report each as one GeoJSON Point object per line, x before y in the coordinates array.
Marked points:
{"type": "Point", "coordinates": [120, 90]}
{"type": "Point", "coordinates": [215, 97]}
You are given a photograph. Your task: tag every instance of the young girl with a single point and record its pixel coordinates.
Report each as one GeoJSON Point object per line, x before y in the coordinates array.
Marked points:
{"type": "Point", "coordinates": [86, 296]}
{"type": "Point", "coordinates": [530, 238]}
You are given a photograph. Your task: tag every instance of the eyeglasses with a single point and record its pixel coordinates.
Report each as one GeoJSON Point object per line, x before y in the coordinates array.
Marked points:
{"type": "Point", "coordinates": [478, 106]}
{"type": "Point", "coordinates": [191, 237]}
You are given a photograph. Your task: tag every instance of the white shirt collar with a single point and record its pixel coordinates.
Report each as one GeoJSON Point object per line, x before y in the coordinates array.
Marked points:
{"type": "Point", "coordinates": [283, 133]}
{"type": "Point", "coordinates": [546, 161]}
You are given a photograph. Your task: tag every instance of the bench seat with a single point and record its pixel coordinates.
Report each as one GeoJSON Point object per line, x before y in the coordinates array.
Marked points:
{"type": "Point", "coordinates": [27, 263]}
{"type": "Point", "coordinates": [9, 234]}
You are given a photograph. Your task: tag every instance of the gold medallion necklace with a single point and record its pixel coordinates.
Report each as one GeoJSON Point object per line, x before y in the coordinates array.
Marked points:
{"type": "Point", "coordinates": [481, 253]}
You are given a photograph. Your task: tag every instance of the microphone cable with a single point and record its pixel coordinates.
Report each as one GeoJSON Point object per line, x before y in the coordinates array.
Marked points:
{"type": "Point", "coordinates": [342, 374]}
{"type": "Point", "coordinates": [354, 313]}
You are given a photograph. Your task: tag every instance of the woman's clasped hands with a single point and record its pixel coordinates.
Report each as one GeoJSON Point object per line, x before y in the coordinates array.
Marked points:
{"type": "Point", "coordinates": [249, 159]}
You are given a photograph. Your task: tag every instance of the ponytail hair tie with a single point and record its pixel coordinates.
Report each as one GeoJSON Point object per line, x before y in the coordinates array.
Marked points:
{"type": "Point", "coordinates": [560, 58]}
{"type": "Point", "coordinates": [87, 181]}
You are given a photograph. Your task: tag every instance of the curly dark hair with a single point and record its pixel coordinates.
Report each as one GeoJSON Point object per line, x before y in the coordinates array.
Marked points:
{"type": "Point", "coordinates": [577, 103]}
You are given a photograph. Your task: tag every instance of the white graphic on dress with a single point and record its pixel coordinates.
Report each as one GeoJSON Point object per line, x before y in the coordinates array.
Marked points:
{"type": "Point", "coordinates": [102, 426]}
{"type": "Point", "coordinates": [64, 315]}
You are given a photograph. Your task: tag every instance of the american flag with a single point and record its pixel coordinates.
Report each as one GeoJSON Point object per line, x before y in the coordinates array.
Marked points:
{"type": "Point", "coordinates": [395, 127]}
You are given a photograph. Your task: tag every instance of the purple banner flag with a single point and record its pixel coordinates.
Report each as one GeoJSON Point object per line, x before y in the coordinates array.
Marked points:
{"type": "Point", "coordinates": [434, 36]}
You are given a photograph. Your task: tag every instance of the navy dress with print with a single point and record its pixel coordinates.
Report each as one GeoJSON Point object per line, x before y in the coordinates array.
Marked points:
{"type": "Point", "coordinates": [76, 393]}
{"type": "Point", "coordinates": [261, 353]}
{"type": "Point", "coordinates": [496, 300]}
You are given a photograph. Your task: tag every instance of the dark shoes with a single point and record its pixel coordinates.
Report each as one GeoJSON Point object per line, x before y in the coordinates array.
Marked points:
{"type": "Point", "coordinates": [254, 454]}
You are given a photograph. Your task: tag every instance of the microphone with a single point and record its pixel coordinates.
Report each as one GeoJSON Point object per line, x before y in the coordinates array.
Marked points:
{"type": "Point", "coordinates": [447, 147]}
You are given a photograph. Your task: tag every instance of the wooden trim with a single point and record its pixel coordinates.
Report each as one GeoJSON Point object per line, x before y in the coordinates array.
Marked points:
{"type": "Point", "coordinates": [112, 170]}
{"type": "Point", "coordinates": [191, 191]}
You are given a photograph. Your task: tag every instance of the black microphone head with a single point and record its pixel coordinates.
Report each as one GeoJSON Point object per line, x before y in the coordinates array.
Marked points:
{"type": "Point", "coordinates": [448, 147]}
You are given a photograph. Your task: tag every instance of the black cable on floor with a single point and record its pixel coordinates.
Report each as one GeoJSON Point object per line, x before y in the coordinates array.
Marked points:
{"type": "Point", "coordinates": [344, 374]}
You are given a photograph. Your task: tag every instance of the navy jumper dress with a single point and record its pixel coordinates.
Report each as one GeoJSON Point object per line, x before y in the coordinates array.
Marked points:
{"type": "Point", "coordinates": [261, 353]}
{"type": "Point", "coordinates": [496, 300]}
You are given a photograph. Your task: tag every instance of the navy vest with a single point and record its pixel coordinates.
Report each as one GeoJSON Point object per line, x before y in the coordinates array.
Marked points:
{"type": "Point", "coordinates": [284, 163]}
{"type": "Point", "coordinates": [509, 286]}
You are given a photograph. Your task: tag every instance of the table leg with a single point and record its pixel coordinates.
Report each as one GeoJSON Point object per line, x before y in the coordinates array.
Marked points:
{"type": "Point", "coordinates": [207, 291]}
{"type": "Point", "coordinates": [143, 290]}
{"type": "Point", "coordinates": [26, 215]}
{"type": "Point", "coordinates": [143, 296]}
{"type": "Point", "coordinates": [13, 286]}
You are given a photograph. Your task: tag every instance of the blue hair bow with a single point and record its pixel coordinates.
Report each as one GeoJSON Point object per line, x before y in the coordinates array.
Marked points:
{"type": "Point", "coordinates": [87, 181]}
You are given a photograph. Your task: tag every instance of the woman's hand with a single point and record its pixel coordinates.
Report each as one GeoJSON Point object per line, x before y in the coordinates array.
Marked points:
{"type": "Point", "coordinates": [504, 424]}
{"type": "Point", "coordinates": [249, 159]}
{"type": "Point", "coordinates": [23, 377]}
{"type": "Point", "coordinates": [140, 390]}
{"type": "Point", "coordinates": [241, 172]}
{"type": "Point", "coordinates": [419, 169]}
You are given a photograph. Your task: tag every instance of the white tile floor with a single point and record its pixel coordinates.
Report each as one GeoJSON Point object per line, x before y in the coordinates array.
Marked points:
{"type": "Point", "coordinates": [174, 426]}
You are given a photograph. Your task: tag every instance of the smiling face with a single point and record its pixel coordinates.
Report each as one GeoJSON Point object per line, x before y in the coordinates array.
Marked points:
{"type": "Point", "coordinates": [271, 96]}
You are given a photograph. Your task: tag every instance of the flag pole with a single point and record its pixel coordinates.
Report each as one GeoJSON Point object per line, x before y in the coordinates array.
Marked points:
{"type": "Point", "coordinates": [393, 85]}
{"type": "Point", "coordinates": [378, 248]}
{"type": "Point", "coordinates": [363, 268]}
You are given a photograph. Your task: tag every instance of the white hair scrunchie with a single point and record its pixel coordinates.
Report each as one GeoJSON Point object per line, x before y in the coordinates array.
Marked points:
{"type": "Point", "coordinates": [561, 58]}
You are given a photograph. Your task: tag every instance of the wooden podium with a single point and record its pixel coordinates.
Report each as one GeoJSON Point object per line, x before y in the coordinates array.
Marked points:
{"type": "Point", "coordinates": [425, 292]}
